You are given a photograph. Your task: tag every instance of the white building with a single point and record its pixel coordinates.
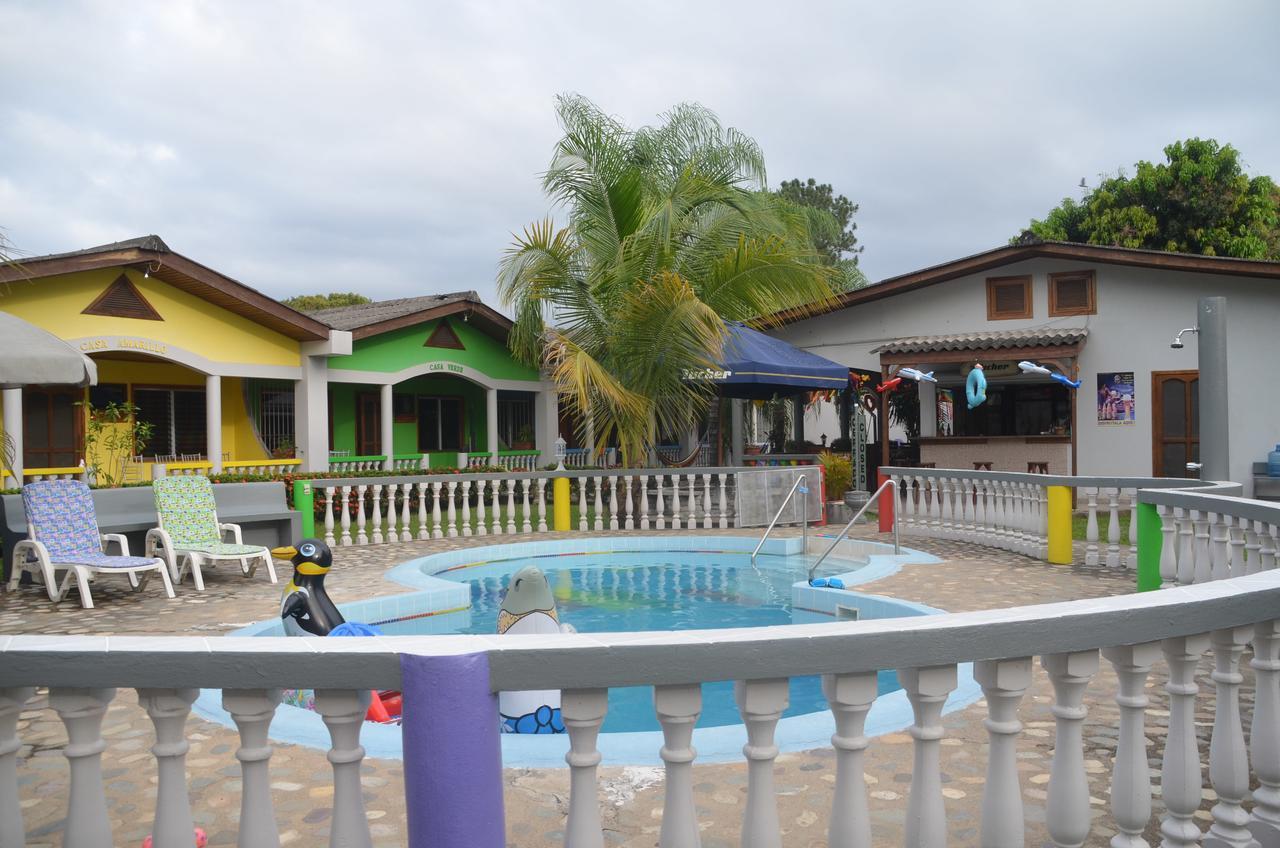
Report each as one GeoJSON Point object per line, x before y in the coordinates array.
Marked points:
{"type": "Point", "coordinates": [1105, 316]}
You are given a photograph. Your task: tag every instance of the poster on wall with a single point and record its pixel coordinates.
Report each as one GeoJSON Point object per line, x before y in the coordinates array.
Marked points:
{"type": "Point", "coordinates": [1116, 398]}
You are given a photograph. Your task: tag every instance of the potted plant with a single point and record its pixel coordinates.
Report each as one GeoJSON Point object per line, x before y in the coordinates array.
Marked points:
{"type": "Point", "coordinates": [524, 438]}
{"type": "Point", "coordinates": [837, 473]}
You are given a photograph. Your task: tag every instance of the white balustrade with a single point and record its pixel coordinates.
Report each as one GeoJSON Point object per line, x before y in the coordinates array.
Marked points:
{"type": "Point", "coordinates": [451, 511]}
{"type": "Point", "coordinates": [598, 523]}
{"type": "Point", "coordinates": [437, 531]}
{"type": "Point", "coordinates": [1264, 733]}
{"type": "Point", "coordinates": [82, 711]}
{"type": "Point", "coordinates": [1228, 757]}
{"type": "Point", "coordinates": [1203, 557]}
{"type": "Point", "coordinates": [675, 502]}
{"type": "Point", "coordinates": [423, 533]}
{"type": "Point", "coordinates": [376, 494]}
{"type": "Point", "coordinates": [465, 507]}
{"type": "Point", "coordinates": [1186, 547]}
{"type": "Point", "coordinates": [1091, 529]}
{"type": "Point", "coordinates": [1168, 546]}
{"type": "Point", "coordinates": [252, 711]}
{"type": "Point", "coordinates": [542, 504]}
{"type": "Point", "coordinates": [168, 709]}
{"type": "Point", "coordinates": [343, 712]}
{"type": "Point", "coordinates": [659, 505]}
{"type": "Point", "coordinates": [1131, 560]}
{"type": "Point", "coordinates": [927, 690]}
{"type": "Point", "coordinates": [1130, 780]}
{"type": "Point", "coordinates": [724, 504]}
{"type": "Point", "coordinates": [644, 501]}
{"type": "Point", "coordinates": [613, 503]}
{"type": "Point", "coordinates": [1003, 684]}
{"type": "Point", "coordinates": [1067, 808]}
{"type": "Point", "coordinates": [1181, 774]}
{"type": "Point", "coordinates": [678, 708]}
{"type": "Point", "coordinates": [1220, 542]}
{"type": "Point", "coordinates": [850, 697]}
{"type": "Point", "coordinates": [362, 537]}
{"type": "Point", "coordinates": [583, 712]}
{"type": "Point", "coordinates": [761, 704]}
{"type": "Point", "coordinates": [582, 503]}
{"type": "Point", "coordinates": [526, 525]}
{"type": "Point", "coordinates": [12, 702]}
{"type": "Point", "coordinates": [346, 515]}
{"type": "Point", "coordinates": [328, 518]}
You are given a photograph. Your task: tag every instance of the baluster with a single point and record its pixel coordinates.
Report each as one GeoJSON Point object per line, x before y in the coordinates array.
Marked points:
{"type": "Point", "coordinates": [82, 711]}
{"type": "Point", "coordinates": [935, 508]}
{"type": "Point", "coordinates": [724, 500]}
{"type": "Point", "coordinates": [1042, 494]}
{"type": "Point", "coordinates": [542, 505]}
{"type": "Point", "coordinates": [613, 503]}
{"type": "Point", "coordinates": [1180, 774]}
{"type": "Point", "coordinates": [1028, 502]}
{"type": "Point", "coordinates": [511, 507]}
{"type": "Point", "coordinates": [1252, 546]}
{"type": "Point", "coordinates": [1130, 776]}
{"type": "Point", "coordinates": [993, 518]}
{"type": "Point", "coordinates": [252, 711]}
{"type": "Point", "coordinates": [1067, 809]}
{"type": "Point", "coordinates": [482, 528]}
{"type": "Point", "coordinates": [329, 538]}
{"type": "Point", "coordinates": [168, 709]}
{"type": "Point", "coordinates": [1005, 509]}
{"type": "Point", "coordinates": [1236, 534]}
{"type": "Point", "coordinates": [1003, 684]}
{"type": "Point", "coordinates": [678, 708]}
{"type": "Point", "coordinates": [1168, 546]}
{"type": "Point", "coordinates": [1132, 559]}
{"type": "Point", "coordinates": [12, 702]}
{"type": "Point", "coordinates": [345, 517]}
{"type": "Point", "coordinates": [967, 490]}
{"type": "Point", "coordinates": [423, 532]}
{"type": "Point", "coordinates": [343, 711]}
{"type": "Point", "coordinates": [598, 523]}
{"type": "Point", "coordinates": [392, 533]}
{"type": "Point", "coordinates": [451, 509]}
{"type": "Point", "coordinates": [945, 525]}
{"type": "Point", "coordinates": [926, 689]}
{"type": "Point", "coordinates": [437, 530]}
{"type": "Point", "coordinates": [660, 506]}
{"type": "Point", "coordinates": [1203, 557]}
{"type": "Point", "coordinates": [1228, 759]}
{"type": "Point", "coordinates": [1091, 529]}
{"type": "Point", "coordinates": [1267, 553]}
{"type": "Point", "coordinates": [1186, 547]}
{"type": "Point", "coordinates": [907, 512]}
{"type": "Point", "coordinates": [675, 502]}
{"type": "Point", "coordinates": [644, 501]}
{"type": "Point", "coordinates": [761, 703]}
{"type": "Point", "coordinates": [497, 508]}
{"type": "Point", "coordinates": [362, 536]}
{"type": "Point", "coordinates": [582, 503]}
{"type": "Point", "coordinates": [629, 521]}
{"type": "Point", "coordinates": [465, 504]}
{"type": "Point", "coordinates": [706, 502]}
{"type": "Point", "coordinates": [583, 711]}
{"type": "Point", "coordinates": [850, 697]}
{"type": "Point", "coordinates": [1264, 733]}
{"type": "Point", "coordinates": [377, 514]}
{"type": "Point", "coordinates": [1220, 539]}
{"type": "Point", "coordinates": [526, 523]}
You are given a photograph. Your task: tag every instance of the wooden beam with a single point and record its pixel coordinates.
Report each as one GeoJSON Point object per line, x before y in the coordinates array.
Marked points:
{"type": "Point", "coordinates": [995, 354]}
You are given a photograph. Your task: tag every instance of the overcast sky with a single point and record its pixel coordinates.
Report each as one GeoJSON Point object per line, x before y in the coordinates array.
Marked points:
{"type": "Point", "coordinates": [392, 148]}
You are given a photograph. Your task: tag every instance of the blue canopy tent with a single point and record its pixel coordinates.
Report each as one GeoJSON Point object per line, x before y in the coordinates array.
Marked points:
{"type": "Point", "coordinates": [760, 367]}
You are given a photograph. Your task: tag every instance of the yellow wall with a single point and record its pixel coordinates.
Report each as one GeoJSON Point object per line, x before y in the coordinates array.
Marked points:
{"type": "Point", "coordinates": [57, 303]}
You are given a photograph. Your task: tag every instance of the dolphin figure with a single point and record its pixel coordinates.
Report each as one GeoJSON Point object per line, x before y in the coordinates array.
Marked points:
{"type": "Point", "coordinates": [529, 606]}
{"type": "Point", "coordinates": [913, 374]}
{"type": "Point", "coordinates": [1031, 368]}
{"type": "Point", "coordinates": [1066, 381]}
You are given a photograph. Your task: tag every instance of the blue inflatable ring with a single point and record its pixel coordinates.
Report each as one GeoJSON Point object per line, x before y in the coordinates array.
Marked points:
{"type": "Point", "coordinates": [975, 388]}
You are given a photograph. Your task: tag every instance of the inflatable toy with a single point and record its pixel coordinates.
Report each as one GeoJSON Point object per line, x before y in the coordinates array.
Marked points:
{"type": "Point", "coordinates": [305, 608]}
{"type": "Point", "coordinates": [528, 606]}
{"type": "Point", "coordinates": [1066, 381]}
{"type": "Point", "coordinates": [889, 385]}
{"type": "Point", "coordinates": [1032, 368]}
{"type": "Point", "coordinates": [201, 839]}
{"type": "Point", "coordinates": [916, 375]}
{"type": "Point", "coordinates": [975, 387]}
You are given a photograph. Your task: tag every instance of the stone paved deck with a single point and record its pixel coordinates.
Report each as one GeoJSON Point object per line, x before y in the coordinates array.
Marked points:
{"type": "Point", "coordinates": [970, 578]}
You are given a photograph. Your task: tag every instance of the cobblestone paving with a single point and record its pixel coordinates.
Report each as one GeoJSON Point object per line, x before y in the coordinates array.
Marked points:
{"type": "Point", "coordinates": [970, 578]}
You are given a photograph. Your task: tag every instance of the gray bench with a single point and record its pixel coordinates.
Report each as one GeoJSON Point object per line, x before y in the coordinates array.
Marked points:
{"type": "Point", "coordinates": [259, 508]}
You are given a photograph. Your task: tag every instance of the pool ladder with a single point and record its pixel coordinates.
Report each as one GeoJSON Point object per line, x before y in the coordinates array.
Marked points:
{"type": "Point", "coordinates": [804, 516]}
{"type": "Point", "coordinates": [897, 547]}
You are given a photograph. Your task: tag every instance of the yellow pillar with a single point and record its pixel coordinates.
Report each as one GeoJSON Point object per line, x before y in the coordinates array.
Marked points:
{"type": "Point", "coordinates": [1060, 551]}
{"type": "Point", "coordinates": [560, 494]}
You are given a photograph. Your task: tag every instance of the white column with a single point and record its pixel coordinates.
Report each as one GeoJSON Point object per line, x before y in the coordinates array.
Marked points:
{"type": "Point", "coordinates": [546, 423]}
{"type": "Point", "coordinates": [13, 428]}
{"type": "Point", "coordinates": [491, 424]}
{"type": "Point", "coordinates": [311, 413]}
{"type": "Point", "coordinates": [386, 445]}
{"type": "Point", "coordinates": [213, 420]}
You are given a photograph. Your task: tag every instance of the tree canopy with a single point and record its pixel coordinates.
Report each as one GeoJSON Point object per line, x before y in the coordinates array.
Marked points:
{"type": "Point", "coordinates": [1199, 200]}
{"type": "Point", "coordinates": [670, 233]}
{"type": "Point", "coordinates": [831, 226]}
{"type": "Point", "coordinates": [316, 302]}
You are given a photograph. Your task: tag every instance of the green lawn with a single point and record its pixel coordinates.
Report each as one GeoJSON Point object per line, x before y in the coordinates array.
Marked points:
{"type": "Point", "coordinates": [1080, 522]}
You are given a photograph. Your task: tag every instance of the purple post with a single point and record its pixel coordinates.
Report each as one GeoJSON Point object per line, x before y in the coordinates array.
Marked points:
{"type": "Point", "coordinates": [452, 753]}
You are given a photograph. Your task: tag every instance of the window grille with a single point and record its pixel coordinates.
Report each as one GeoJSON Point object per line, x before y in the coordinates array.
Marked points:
{"type": "Point", "coordinates": [514, 415]}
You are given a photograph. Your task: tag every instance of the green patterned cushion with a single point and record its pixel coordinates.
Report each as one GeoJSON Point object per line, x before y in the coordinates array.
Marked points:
{"type": "Point", "coordinates": [187, 510]}
{"type": "Point", "coordinates": [221, 549]}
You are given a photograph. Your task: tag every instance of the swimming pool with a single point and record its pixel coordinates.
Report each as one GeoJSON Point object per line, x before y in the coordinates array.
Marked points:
{"type": "Point", "coordinates": [635, 583]}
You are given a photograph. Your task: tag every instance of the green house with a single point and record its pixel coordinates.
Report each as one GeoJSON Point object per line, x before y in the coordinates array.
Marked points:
{"type": "Point", "coordinates": [429, 383]}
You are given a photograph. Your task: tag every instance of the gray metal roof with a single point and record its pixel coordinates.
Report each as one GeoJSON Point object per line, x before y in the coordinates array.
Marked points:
{"type": "Point", "coordinates": [365, 314]}
{"type": "Point", "coordinates": [991, 340]}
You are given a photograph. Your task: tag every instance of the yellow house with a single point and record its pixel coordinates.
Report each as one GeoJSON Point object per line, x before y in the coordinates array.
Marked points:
{"type": "Point", "coordinates": [225, 374]}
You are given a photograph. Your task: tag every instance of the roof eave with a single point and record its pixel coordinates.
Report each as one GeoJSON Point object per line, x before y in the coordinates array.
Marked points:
{"type": "Point", "coordinates": [497, 322]}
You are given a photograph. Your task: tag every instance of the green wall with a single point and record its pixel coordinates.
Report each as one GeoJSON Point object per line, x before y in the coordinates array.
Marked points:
{"type": "Point", "coordinates": [404, 348]}
{"type": "Point", "coordinates": [342, 397]}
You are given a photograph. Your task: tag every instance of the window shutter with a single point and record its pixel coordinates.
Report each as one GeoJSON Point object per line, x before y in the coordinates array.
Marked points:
{"type": "Point", "coordinates": [1011, 298]}
{"type": "Point", "coordinates": [122, 299]}
{"type": "Point", "coordinates": [1072, 293]}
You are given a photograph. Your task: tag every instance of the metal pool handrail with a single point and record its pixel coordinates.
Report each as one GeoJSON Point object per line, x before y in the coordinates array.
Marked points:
{"type": "Point", "coordinates": [804, 516]}
{"type": "Point", "coordinates": [897, 548]}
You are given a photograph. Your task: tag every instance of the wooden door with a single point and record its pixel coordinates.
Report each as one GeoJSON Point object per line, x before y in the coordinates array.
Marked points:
{"type": "Point", "coordinates": [52, 428]}
{"type": "Point", "coordinates": [368, 424]}
{"type": "Point", "coordinates": [1175, 422]}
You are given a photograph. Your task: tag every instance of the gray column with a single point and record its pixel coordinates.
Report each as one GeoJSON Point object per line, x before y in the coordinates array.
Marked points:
{"type": "Point", "coordinates": [1214, 420]}
{"type": "Point", "coordinates": [797, 422]}
{"type": "Point", "coordinates": [491, 424]}
{"type": "Point", "coordinates": [928, 409]}
{"type": "Point", "coordinates": [546, 423]}
{"type": "Point", "coordinates": [13, 428]}
{"type": "Point", "coordinates": [735, 432]}
{"type": "Point", "coordinates": [213, 420]}
{"type": "Point", "coordinates": [311, 400]}
{"type": "Point", "coordinates": [387, 443]}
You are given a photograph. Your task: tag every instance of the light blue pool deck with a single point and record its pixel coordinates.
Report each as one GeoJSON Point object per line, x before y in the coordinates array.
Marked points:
{"type": "Point", "coordinates": [440, 602]}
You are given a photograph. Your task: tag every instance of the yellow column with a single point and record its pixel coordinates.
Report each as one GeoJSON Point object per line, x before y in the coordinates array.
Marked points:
{"type": "Point", "coordinates": [1060, 551]}
{"type": "Point", "coordinates": [560, 494]}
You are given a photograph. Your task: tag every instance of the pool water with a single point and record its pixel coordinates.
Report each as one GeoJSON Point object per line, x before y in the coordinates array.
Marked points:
{"type": "Point", "coordinates": [664, 590]}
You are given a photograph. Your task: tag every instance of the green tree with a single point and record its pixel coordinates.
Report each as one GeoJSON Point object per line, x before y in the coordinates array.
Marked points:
{"type": "Point", "coordinates": [831, 218]}
{"type": "Point", "coordinates": [316, 302]}
{"type": "Point", "coordinates": [1199, 200]}
{"type": "Point", "coordinates": [670, 234]}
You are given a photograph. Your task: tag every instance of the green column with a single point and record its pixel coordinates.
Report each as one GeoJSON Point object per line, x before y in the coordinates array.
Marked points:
{"type": "Point", "coordinates": [304, 501]}
{"type": "Point", "coordinates": [1150, 540]}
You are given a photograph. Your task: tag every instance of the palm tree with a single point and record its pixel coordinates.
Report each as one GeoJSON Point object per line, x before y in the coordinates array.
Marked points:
{"type": "Point", "coordinates": [670, 234]}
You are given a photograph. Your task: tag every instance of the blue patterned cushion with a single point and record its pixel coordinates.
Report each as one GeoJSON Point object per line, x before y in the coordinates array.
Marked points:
{"type": "Point", "coordinates": [105, 560]}
{"type": "Point", "coordinates": [62, 515]}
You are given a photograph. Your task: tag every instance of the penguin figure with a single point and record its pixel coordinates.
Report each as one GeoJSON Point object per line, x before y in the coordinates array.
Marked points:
{"type": "Point", "coordinates": [529, 606]}
{"type": "Point", "coordinates": [305, 608]}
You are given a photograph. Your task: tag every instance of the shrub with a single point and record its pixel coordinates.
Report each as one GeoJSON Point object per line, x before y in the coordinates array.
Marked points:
{"type": "Point", "coordinates": [838, 471]}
